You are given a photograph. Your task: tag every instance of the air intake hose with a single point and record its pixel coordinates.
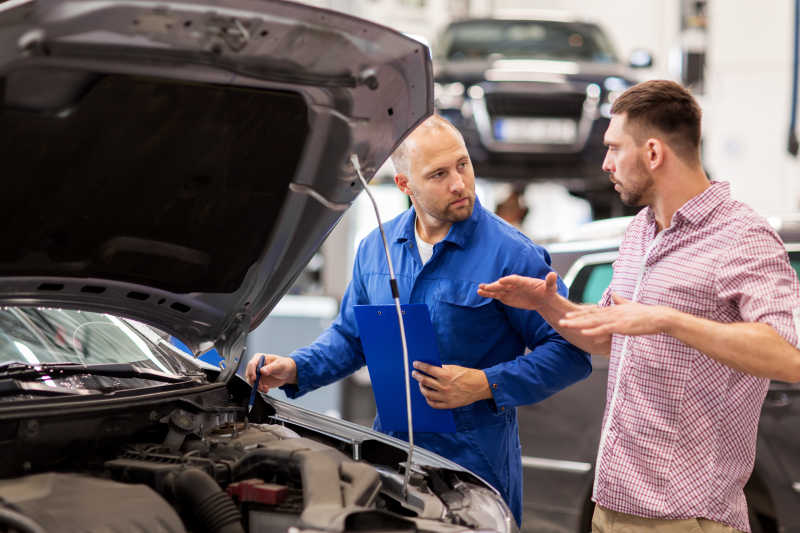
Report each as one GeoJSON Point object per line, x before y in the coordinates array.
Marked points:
{"type": "Point", "coordinates": [213, 509]}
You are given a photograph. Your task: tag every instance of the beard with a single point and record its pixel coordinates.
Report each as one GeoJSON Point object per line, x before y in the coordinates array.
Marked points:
{"type": "Point", "coordinates": [633, 194]}
{"type": "Point", "coordinates": [446, 213]}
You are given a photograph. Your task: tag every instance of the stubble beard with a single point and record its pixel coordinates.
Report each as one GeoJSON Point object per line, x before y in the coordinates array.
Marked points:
{"type": "Point", "coordinates": [634, 196]}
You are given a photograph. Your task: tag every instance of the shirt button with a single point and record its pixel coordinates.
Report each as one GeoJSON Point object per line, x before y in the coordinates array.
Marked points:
{"type": "Point", "coordinates": [494, 385]}
{"type": "Point", "coordinates": [502, 408]}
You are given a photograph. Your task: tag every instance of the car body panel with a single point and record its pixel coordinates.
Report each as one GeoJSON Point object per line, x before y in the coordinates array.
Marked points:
{"type": "Point", "coordinates": [196, 217]}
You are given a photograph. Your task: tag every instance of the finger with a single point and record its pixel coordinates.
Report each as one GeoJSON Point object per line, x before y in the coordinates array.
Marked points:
{"type": "Point", "coordinates": [619, 300]}
{"type": "Point", "coordinates": [274, 369]}
{"type": "Point", "coordinates": [599, 331]}
{"type": "Point", "coordinates": [438, 405]}
{"type": "Point", "coordinates": [432, 370]}
{"type": "Point", "coordinates": [583, 321]}
{"type": "Point", "coordinates": [586, 310]}
{"type": "Point", "coordinates": [425, 381]}
{"type": "Point", "coordinates": [426, 392]}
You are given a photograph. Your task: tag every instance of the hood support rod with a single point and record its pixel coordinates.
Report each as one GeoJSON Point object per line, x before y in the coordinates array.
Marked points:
{"type": "Point", "coordinates": [396, 298]}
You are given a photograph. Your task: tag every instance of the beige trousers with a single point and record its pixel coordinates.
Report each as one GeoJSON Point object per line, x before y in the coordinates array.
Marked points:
{"type": "Point", "coordinates": [608, 521]}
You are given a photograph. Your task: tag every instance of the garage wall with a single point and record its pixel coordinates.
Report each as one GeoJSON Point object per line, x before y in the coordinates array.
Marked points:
{"type": "Point", "coordinates": [747, 108]}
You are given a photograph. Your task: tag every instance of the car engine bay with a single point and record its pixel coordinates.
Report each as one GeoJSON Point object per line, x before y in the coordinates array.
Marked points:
{"type": "Point", "coordinates": [196, 465]}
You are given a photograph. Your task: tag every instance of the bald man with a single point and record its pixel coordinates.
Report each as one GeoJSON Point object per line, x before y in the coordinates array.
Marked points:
{"type": "Point", "coordinates": [443, 247]}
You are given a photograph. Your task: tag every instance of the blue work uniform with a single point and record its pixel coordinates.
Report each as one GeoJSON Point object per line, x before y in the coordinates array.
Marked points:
{"type": "Point", "coordinates": [472, 331]}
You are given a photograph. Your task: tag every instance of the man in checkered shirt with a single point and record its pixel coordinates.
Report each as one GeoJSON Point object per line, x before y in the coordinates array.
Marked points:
{"type": "Point", "coordinates": [703, 309]}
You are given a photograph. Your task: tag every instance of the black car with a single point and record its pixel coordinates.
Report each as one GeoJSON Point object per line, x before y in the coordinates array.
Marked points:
{"type": "Point", "coordinates": [532, 99]}
{"type": "Point", "coordinates": [560, 435]}
{"type": "Point", "coordinates": [168, 170]}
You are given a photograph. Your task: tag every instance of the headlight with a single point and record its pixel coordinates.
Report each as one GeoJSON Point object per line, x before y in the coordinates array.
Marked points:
{"type": "Point", "coordinates": [449, 95]}
{"type": "Point", "coordinates": [485, 510]}
{"type": "Point", "coordinates": [614, 87]}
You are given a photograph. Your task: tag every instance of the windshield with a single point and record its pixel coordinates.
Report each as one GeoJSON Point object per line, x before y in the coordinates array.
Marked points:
{"type": "Point", "coordinates": [527, 39]}
{"type": "Point", "coordinates": [42, 336]}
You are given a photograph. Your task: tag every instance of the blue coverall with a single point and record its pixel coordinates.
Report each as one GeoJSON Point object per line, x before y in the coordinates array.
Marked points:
{"type": "Point", "coordinates": [472, 331]}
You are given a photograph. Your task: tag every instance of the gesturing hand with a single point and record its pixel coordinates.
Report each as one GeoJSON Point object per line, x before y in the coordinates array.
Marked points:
{"type": "Point", "coordinates": [624, 318]}
{"type": "Point", "coordinates": [451, 386]}
{"type": "Point", "coordinates": [521, 291]}
{"type": "Point", "coordinates": [277, 371]}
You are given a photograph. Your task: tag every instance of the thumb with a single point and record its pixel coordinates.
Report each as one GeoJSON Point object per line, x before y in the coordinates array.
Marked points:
{"type": "Point", "coordinates": [619, 300]}
{"type": "Point", "coordinates": [551, 282]}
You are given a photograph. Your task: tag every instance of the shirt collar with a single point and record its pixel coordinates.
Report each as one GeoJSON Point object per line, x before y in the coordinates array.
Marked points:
{"type": "Point", "coordinates": [459, 233]}
{"type": "Point", "coordinates": [699, 207]}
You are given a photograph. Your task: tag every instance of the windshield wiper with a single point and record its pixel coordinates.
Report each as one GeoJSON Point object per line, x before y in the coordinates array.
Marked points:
{"type": "Point", "coordinates": [12, 387]}
{"type": "Point", "coordinates": [17, 370]}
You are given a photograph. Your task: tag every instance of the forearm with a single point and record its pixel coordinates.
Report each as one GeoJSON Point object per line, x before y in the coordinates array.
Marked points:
{"type": "Point", "coordinates": [556, 309]}
{"type": "Point", "coordinates": [750, 347]}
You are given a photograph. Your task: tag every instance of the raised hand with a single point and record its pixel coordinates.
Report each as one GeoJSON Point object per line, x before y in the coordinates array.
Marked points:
{"type": "Point", "coordinates": [521, 291]}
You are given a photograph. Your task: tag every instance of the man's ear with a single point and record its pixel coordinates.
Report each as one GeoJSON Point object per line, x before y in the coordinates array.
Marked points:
{"type": "Point", "coordinates": [401, 180]}
{"type": "Point", "coordinates": [655, 153]}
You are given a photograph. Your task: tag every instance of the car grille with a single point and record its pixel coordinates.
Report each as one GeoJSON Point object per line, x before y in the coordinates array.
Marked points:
{"type": "Point", "coordinates": [535, 105]}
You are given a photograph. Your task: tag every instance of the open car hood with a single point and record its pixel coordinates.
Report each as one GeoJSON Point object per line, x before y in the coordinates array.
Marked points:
{"type": "Point", "coordinates": [180, 162]}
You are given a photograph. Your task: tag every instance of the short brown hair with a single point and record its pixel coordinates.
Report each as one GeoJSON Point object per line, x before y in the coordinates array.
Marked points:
{"type": "Point", "coordinates": [667, 108]}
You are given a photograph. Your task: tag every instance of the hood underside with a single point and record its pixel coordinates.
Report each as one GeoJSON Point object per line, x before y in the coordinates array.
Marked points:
{"type": "Point", "coordinates": [180, 162]}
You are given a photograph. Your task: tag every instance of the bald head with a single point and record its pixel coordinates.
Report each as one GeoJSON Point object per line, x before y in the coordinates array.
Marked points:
{"type": "Point", "coordinates": [403, 156]}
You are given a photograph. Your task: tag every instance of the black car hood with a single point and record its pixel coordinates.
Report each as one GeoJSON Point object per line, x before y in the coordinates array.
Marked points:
{"type": "Point", "coordinates": [179, 162]}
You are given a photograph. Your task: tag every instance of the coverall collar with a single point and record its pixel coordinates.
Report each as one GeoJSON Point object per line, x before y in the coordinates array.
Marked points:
{"type": "Point", "coordinates": [459, 233]}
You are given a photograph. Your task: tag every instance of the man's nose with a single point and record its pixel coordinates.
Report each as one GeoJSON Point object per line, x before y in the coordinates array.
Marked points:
{"type": "Point", "coordinates": [457, 184]}
{"type": "Point", "coordinates": [607, 164]}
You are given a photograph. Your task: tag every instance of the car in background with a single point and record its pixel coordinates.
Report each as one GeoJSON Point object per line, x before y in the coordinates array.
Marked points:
{"type": "Point", "coordinates": [532, 98]}
{"type": "Point", "coordinates": [168, 170]}
{"type": "Point", "coordinates": [560, 435]}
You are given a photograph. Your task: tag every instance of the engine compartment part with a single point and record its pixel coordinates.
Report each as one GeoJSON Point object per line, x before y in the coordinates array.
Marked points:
{"type": "Point", "coordinates": [81, 504]}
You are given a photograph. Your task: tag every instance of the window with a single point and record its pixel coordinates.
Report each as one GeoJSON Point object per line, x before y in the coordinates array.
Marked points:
{"type": "Point", "coordinates": [590, 283]}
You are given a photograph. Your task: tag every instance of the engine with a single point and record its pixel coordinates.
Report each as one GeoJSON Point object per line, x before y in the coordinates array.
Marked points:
{"type": "Point", "coordinates": [234, 478]}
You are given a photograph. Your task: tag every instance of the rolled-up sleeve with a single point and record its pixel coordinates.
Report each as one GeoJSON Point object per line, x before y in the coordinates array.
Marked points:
{"type": "Point", "coordinates": [756, 283]}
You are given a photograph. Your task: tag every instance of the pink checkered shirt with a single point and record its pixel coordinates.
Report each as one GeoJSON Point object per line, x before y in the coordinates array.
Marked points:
{"type": "Point", "coordinates": [679, 431]}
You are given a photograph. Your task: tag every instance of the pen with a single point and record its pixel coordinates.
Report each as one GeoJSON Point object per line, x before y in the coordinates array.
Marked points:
{"type": "Point", "coordinates": [255, 384]}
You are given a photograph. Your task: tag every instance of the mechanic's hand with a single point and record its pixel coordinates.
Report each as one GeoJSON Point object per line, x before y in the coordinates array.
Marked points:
{"type": "Point", "coordinates": [521, 291]}
{"type": "Point", "coordinates": [277, 371]}
{"type": "Point", "coordinates": [624, 318]}
{"type": "Point", "coordinates": [451, 386]}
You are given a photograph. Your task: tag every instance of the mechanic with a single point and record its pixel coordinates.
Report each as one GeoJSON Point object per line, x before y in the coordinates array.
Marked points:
{"type": "Point", "coordinates": [702, 311]}
{"type": "Point", "coordinates": [442, 248]}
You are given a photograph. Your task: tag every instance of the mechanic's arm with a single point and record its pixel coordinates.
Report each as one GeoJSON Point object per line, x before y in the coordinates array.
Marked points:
{"type": "Point", "coordinates": [541, 295]}
{"type": "Point", "coordinates": [335, 354]}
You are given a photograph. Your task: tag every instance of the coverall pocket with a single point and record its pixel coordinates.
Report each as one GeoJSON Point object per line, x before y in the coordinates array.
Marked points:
{"type": "Point", "coordinates": [467, 320]}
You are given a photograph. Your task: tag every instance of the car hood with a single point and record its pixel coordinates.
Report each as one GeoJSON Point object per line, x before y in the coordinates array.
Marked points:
{"type": "Point", "coordinates": [179, 162]}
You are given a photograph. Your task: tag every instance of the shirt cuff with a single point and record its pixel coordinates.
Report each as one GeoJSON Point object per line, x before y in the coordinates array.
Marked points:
{"type": "Point", "coordinates": [500, 399]}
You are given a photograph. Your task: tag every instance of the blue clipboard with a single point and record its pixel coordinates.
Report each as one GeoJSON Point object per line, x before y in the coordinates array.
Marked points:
{"type": "Point", "coordinates": [380, 338]}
